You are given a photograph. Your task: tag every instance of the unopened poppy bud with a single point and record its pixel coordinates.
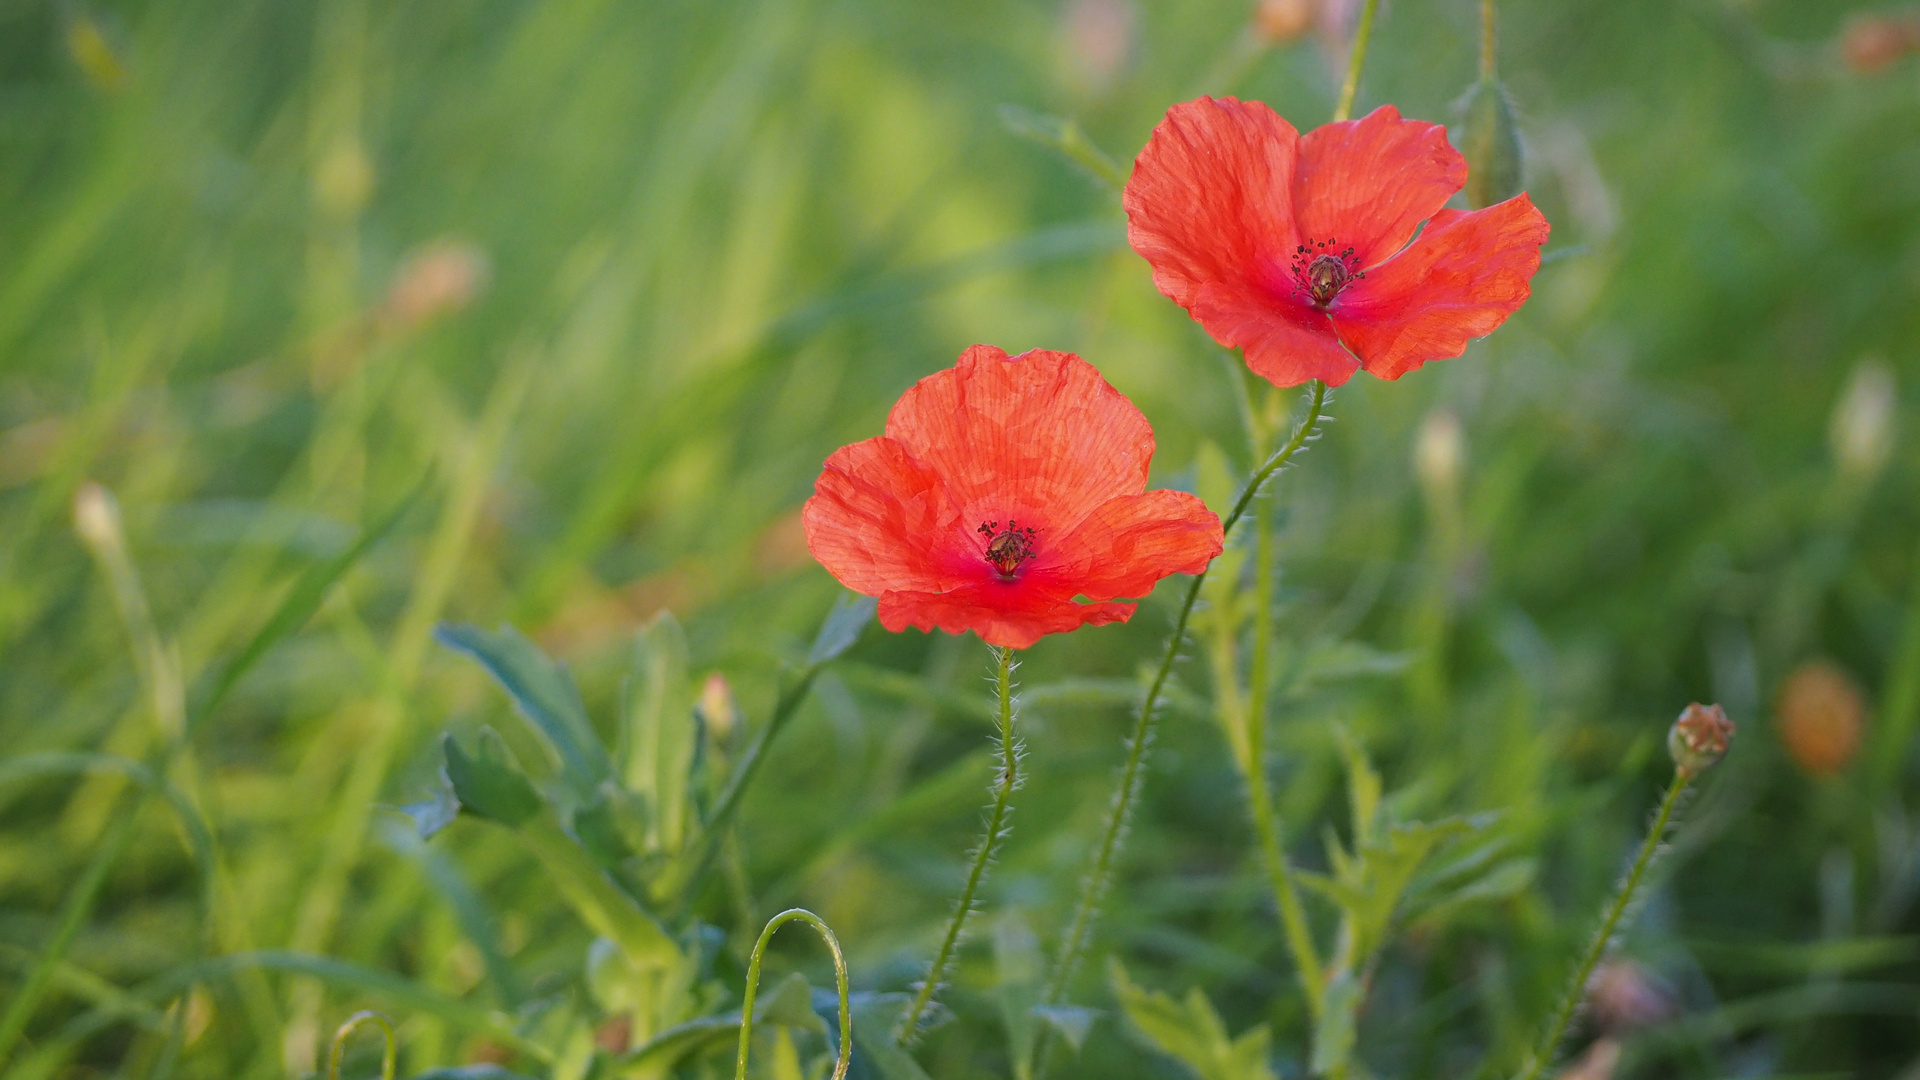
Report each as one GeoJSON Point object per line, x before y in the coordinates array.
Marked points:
{"type": "Point", "coordinates": [1278, 22]}
{"type": "Point", "coordinates": [716, 706]}
{"type": "Point", "coordinates": [1439, 452]}
{"type": "Point", "coordinates": [1491, 142]}
{"type": "Point", "coordinates": [1861, 431]}
{"type": "Point", "coordinates": [1624, 996]}
{"type": "Point", "coordinates": [1096, 42]}
{"type": "Point", "coordinates": [1699, 738]}
{"type": "Point", "coordinates": [96, 517]}
{"type": "Point", "coordinates": [1822, 716]}
{"type": "Point", "coordinates": [1873, 43]}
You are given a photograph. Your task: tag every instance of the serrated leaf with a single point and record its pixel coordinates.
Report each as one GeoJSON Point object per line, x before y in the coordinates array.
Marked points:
{"type": "Point", "coordinates": [612, 827]}
{"type": "Point", "coordinates": [850, 615]}
{"type": "Point", "coordinates": [1191, 1032]}
{"type": "Point", "coordinates": [488, 782]}
{"type": "Point", "coordinates": [1363, 787]}
{"type": "Point", "coordinates": [544, 695]}
{"type": "Point", "coordinates": [1072, 1022]}
{"type": "Point", "coordinates": [658, 731]}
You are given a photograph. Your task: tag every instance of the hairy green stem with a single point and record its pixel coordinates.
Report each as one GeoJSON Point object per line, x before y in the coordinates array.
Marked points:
{"type": "Point", "coordinates": [1094, 889]}
{"type": "Point", "coordinates": [1356, 61]}
{"type": "Point", "coordinates": [1489, 70]}
{"type": "Point", "coordinates": [845, 1056]}
{"type": "Point", "coordinates": [1610, 925]}
{"type": "Point", "coordinates": [1004, 785]}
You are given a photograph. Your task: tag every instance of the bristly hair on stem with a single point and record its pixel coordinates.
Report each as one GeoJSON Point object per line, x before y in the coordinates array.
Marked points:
{"type": "Point", "coordinates": [1618, 916]}
{"type": "Point", "coordinates": [1094, 887]}
{"type": "Point", "coordinates": [1006, 781]}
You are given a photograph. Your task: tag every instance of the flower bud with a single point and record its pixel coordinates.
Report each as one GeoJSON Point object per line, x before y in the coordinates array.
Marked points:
{"type": "Point", "coordinates": [1699, 738]}
{"type": "Point", "coordinates": [1439, 452]}
{"type": "Point", "coordinates": [1623, 996]}
{"type": "Point", "coordinates": [1096, 43]}
{"type": "Point", "coordinates": [1861, 431]}
{"type": "Point", "coordinates": [1873, 43]}
{"type": "Point", "coordinates": [716, 706]}
{"type": "Point", "coordinates": [1822, 715]}
{"type": "Point", "coordinates": [96, 517]}
{"type": "Point", "coordinates": [1491, 143]}
{"type": "Point", "coordinates": [1278, 22]}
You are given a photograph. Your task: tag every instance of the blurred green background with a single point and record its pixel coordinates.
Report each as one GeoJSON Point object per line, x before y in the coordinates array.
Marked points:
{"type": "Point", "coordinates": [590, 289]}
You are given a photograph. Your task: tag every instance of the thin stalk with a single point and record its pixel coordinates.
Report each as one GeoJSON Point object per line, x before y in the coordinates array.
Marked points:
{"type": "Point", "coordinates": [1293, 918]}
{"type": "Point", "coordinates": [1356, 61]}
{"type": "Point", "coordinates": [845, 1056]}
{"type": "Point", "coordinates": [1094, 889]}
{"type": "Point", "coordinates": [1489, 70]}
{"type": "Point", "coordinates": [1610, 925]}
{"type": "Point", "coordinates": [1003, 789]}
{"type": "Point", "coordinates": [73, 914]}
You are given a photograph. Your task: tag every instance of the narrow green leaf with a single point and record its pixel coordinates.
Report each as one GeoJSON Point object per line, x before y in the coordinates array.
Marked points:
{"type": "Point", "coordinates": [850, 615]}
{"type": "Point", "coordinates": [658, 731]}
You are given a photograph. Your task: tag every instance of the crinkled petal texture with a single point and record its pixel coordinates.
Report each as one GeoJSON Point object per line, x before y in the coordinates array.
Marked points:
{"type": "Point", "coordinates": [1226, 193]}
{"type": "Point", "coordinates": [1037, 441]}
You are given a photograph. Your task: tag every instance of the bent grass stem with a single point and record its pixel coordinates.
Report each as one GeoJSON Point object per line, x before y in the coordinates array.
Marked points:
{"type": "Point", "coordinates": [845, 1056]}
{"type": "Point", "coordinates": [1610, 925]}
{"type": "Point", "coordinates": [1093, 891]}
{"type": "Point", "coordinates": [1007, 782]}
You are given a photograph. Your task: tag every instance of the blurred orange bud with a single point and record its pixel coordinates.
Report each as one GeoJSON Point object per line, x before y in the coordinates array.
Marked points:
{"type": "Point", "coordinates": [441, 277]}
{"type": "Point", "coordinates": [1822, 716]}
{"type": "Point", "coordinates": [716, 706]}
{"type": "Point", "coordinates": [1872, 43]}
{"type": "Point", "coordinates": [1278, 22]}
{"type": "Point", "coordinates": [1699, 738]}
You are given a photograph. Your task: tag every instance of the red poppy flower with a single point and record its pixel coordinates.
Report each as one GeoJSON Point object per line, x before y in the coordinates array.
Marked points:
{"type": "Point", "coordinates": [1295, 247]}
{"type": "Point", "coordinates": [1004, 488]}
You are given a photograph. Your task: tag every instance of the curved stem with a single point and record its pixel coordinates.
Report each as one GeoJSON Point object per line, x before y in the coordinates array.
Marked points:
{"type": "Point", "coordinates": [1356, 61]}
{"type": "Point", "coordinates": [1489, 70]}
{"type": "Point", "coordinates": [388, 1057]}
{"type": "Point", "coordinates": [845, 1056]}
{"type": "Point", "coordinates": [1094, 889]}
{"type": "Point", "coordinates": [1610, 925]}
{"type": "Point", "coordinates": [1003, 789]}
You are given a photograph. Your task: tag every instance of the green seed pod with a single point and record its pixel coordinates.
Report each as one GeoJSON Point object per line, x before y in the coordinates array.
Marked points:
{"type": "Point", "coordinates": [1492, 146]}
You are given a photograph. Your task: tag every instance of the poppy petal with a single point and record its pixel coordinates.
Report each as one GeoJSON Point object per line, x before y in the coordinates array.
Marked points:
{"type": "Point", "coordinates": [1368, 183]}
{"type": "Point", "coordinates": [875, 517]}
{"type": "Point", "coordinates": [1007, 617]}
{"type": "Point", "coordinates": [1208, 207]}
{"type": "Point", "coordinates": [1039, 438]}
{"type": "Point", "coordinates": [1458, 281]}
{"type": "Point", "coordinates": [1130, 543]}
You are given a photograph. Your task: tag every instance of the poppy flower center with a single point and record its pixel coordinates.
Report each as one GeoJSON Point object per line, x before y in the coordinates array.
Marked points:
{"type": "Point", "coordinates": [1007, 550]}
{"type": "Point", "coordinates": [1321, 269]}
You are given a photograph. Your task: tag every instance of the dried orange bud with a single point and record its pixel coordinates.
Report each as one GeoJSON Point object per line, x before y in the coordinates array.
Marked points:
{"type": "Point", "coordinates": [1699, 738]}
{"type": "Point", "coordinates": [1872, 43]}
{"type": "Point", "coordinates": [1822, 716]}
{"type": "Point", "coordinates": [1280, 21]}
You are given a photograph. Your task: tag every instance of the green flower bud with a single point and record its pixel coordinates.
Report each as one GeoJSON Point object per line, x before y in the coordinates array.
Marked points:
{"type": "Point", "coordinates": [1491, 142]}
